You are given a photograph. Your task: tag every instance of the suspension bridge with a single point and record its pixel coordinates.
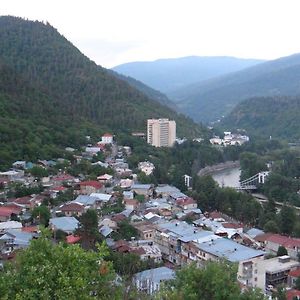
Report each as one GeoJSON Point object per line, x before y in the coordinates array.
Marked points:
{"type": "Point", "coordinates": [253, 182]}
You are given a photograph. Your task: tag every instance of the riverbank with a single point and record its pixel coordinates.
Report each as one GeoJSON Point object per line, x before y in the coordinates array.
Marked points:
{"type": "Point", "coordinates": [209, 170]}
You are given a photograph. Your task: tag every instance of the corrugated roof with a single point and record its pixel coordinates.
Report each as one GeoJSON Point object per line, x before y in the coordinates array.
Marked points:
{"type": "Point", "coordinates": [67, 224]}
{"type": "Point", "coordinates": [230, 250]}
{"type": "Point", "coordinates": [156, 275]}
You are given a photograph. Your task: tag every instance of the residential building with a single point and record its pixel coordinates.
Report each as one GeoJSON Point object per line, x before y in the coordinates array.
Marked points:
{"type": "Point", "coordinates": [149, 281]}
{"type": "Point", "coordinates": [66, 224]}
{"type": "Point", "coordinates": [89, 187]}
{"type": "Point", "coordinates": [161, 132]}
{"type": "Point", "coordinates": [275, 271]}
{"type": "Point", "coordinates": [72, 209]}
{"type": "Point", "coordinates": [107, 138]}
{"type": "Point", "coordinates": [146, 167]}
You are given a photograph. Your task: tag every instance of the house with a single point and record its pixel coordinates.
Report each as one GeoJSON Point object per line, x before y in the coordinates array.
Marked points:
{"type": "Point", "coordinates": [273, 241]}
{"type": "Point", "coordinates": [149, 281]}
{"type": "Point", "coordinates": [14, 240]}
{"type": "Point", "coordinates": [292, 294]}
{"type": "Point", "coordinates": [142, 189]}
{"type": "Point", "coordinates": [66, 224]}
{"type": "Point", "coordinates": [105, 231]}
{"type": "Point", "coordinates": [89, 187]}
{"type": "Point", "coordinates": [128, 195]}
{"type": "Point", "coordinates": [7, 212]}
{"type": "Point", "coordinates": [126, 183]}
{"type": "Point", "coordinates": [72, 239]}
{"type": "Point", "coordinates": [20, 164]}
{"type": "Point", "coordinates": [105, 179]}
{"type": "Point", "coordinates": [186, 203]}
{"type": "Point", "coordinates": [275, 271]}
{"type": "Point", "coordinates": [108, 222]}
{"type": "Point", "coordinates": [165, 190]}
{"type": "Point", "coordinates": [102, 199]}
{"type": "Point", "coordinates": [293, 275]}
{"type": "Point", "coordinates": [10, 225]}
{"type": "Point", "coordinates": [146, 250]}
{"type": "Point", "coordinates": [131, 204]}
{"type": "Point", "coordinates": [107, 138]}
{"type": "Point", "coordinates": [146, 167]}
{"type": "Point", "coordinates": [146, 230]}
{"type": "Point", "coordinates": [72, 209]}
{"type": "Point", "coordinates": [86, 201]}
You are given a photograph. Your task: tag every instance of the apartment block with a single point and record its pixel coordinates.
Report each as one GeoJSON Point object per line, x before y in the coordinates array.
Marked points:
{"type": "Point", "coordinates": [161, 132]}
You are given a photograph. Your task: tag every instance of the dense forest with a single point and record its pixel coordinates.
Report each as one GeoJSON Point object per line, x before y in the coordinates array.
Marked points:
{"type": "Point", "coordinates": [52, 95]}
{"type": "Point", "coordinates": [267, 116]}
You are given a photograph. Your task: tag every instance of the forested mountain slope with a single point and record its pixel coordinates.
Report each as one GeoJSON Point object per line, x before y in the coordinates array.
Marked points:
{"type": "Point", "coordinates": [52, 95]}
{"type": "Point", "coordinates": [278, 117]}
{"type": "Point", "coordinates": [168, 75]}
{"type": "Point", "coordinates": [75, 83]}
{"type": "Point", "coordinates": [210, 100]}
{"type": "Point", "coordinates": [145, 89]}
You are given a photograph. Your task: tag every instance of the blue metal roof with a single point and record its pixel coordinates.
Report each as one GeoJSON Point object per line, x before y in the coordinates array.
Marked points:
{"type": "Point", "coordinates": [67, 224]}
{"type": "Point", "coordinates": [230, 250]}
{"type": "Point", "coordinates": [156, 275]}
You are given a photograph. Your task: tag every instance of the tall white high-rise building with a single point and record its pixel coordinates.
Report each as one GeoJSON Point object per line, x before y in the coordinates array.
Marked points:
{"type": "Point", "coordinates": [161, 132]}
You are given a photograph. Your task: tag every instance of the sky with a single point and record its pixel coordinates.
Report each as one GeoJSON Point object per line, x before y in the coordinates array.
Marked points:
{"type": "Point", "coordinates": [112, 32]}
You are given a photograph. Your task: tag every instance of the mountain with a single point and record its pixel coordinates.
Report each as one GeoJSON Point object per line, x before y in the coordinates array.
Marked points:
{"type": "Point", "coordinates": [51, 95]}
{"type": "Point", "coordinates": [267, 116]}
{"type": "Point", "coordinates": [167, 75]}
{"type": "Point", "coordinates": [212, 99]}
{"type": "Point", "coordinates": [145, 89]}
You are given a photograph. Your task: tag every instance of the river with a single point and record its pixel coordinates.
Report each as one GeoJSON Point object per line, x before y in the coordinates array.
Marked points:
{"type": "Point", "coordinates": [229, 177]}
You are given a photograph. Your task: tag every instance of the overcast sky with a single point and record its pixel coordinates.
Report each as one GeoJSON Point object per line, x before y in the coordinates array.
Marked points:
{"type": "Point", "coordinates": [112, 32]}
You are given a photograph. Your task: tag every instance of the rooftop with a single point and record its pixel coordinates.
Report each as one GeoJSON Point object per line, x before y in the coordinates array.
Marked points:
{"type": "Point", "coordinates": [230, 250]}
{"type": "Point", "coordinates": [156, 275]}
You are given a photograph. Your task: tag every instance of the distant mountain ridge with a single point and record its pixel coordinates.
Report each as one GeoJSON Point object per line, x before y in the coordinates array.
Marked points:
{"type": "Point", "coordinates": [167, 75]}
{"type": "Point", "coordinates": [210, 100]}
{"type": "Point", "coordinates": [278, 117]}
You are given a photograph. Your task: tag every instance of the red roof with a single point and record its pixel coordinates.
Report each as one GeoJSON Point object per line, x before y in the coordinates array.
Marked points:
{"type": "Point", "coordinates": [295, 273]}
{"type": "Point", "coordinates": [63, 177]}
{"type": "Point", "coordinates": [291, 294]}
{"type": "Point", "coordinates": [30, 229]}
{"type": "Point", "coordinates": [93, 183]}
{"type": "Point", "coordinates": [215, 215]}
{"type": "Point", "coordinates": [138, 251]}
{"type": "Point", "coordinates": [6, 211]}
{"type": "Point", "coordinates": [71, 239]}
{"type": "Point", "coordinates": [131, 202]}
{"type": "Point", "coordinates": [263, 237]}
{"type": "Point", "coordinates": [185, 201]}
{"type": "Point", "coordinates": [15, 207]}
{"type": "Point", "coordinates": [59, 188]}
{"type": "Point", "coordinates": [23, 200]}
{"type": "Point", "coordinates": [232, 225]}
{"type": "Point", "coordinates": [285, 241]}
{"type": "Point", "coordinates": [107, 135]}
{"type": "Point", "coordinates": [73, 207]}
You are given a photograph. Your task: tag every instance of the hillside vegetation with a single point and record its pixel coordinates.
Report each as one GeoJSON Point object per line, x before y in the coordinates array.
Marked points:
{"type": "Point", "coordinates": [211, 99]}
{"type": "Point", "coordinates": [267, 116]}
{"type": "Point", "coordinates": [51, 95]}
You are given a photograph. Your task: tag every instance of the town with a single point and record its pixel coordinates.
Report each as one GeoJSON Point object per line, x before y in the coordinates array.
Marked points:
{"type": "Point", "coordinates": [162, 225]}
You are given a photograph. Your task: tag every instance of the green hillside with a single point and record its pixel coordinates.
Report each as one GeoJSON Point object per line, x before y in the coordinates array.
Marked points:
{"type": "Point", "coordinates": [210, 100]}
{"type": "Point", "coordinates": [145, 89]}
{"type": "Point", "coordinates": [267, 116]}
{"type": "Point", "coordinates": [51, 95]}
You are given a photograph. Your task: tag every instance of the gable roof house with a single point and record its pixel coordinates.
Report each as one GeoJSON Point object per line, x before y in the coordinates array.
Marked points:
{"type": "Point", "coordinates": [13, 240]}
{"type": "Point", "coordinates": [149, 281]}
{"type": "Point", "coordinates": [66, 224]}
{"type": "Point", "coordinates": [72, 208]}
{"type": "Point", "coordinates": [91, 186]}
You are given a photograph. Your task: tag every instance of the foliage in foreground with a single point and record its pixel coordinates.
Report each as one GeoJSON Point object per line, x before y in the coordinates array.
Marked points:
{"type": "Point", "coordinates": [215, 281]}
{"type": "Point", "coordinates": [48, 271]}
